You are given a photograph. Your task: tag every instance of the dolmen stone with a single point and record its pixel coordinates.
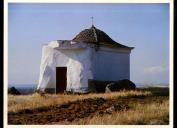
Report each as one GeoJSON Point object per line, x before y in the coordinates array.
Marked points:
{"type": "Point", "coordinates": [124, 84]}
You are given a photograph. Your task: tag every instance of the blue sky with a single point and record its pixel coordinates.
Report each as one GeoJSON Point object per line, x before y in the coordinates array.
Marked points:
{"type": "Point", "coordinates": [143, 26]}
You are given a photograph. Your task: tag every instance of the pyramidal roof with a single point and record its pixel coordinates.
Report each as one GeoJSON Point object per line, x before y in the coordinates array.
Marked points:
{"type": "Point", "coordinates": [96, 36]}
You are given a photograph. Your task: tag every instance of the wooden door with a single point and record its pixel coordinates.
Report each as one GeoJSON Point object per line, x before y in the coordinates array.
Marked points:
{"type": "Point", "coordinates": [61, 79]}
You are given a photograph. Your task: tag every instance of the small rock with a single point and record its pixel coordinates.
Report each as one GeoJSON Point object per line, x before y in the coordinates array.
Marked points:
{"type": "Point", "coordinates": [107, 89]}
{"type": "Point", "coordinates": [157, 122]}
{"type": "Point", "coordinates": [13, 91]}
{"type": "Point", "coordinates": [110, 110]}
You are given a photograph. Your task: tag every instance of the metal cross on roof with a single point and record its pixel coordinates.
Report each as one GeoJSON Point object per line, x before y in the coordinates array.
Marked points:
{"type": "Point", "coordinates": [92, 20]}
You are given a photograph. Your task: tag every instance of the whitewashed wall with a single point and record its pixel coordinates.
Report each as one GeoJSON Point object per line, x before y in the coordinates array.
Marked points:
{"type": "Point", "coordinates": [111, 64]}
{"type": "Point", "coordinates": [78, 65]}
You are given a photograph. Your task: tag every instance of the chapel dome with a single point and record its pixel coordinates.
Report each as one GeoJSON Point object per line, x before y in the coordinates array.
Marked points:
{"type": "Point", "coordinates": [96, 36]}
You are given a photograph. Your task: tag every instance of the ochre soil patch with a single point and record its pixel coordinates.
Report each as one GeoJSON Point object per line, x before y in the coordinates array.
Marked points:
{"type": "Point", "coordinates": [77, 110]}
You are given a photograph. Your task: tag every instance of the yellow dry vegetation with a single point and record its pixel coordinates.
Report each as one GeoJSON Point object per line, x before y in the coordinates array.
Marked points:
{"type": "Point", "coordinates": [152, 113]}
{"type": "Point", "coordinates": [17, 103]}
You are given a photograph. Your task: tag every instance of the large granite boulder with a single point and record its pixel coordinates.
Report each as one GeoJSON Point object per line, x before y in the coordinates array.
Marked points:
{"type": "Point", "coordinates": [120, 85]}
{"type": "Point", "coordinates": [109, 86]}
{"type": "Point", "coordinates": [13, 91]}
{"type": "Point", "coordinates": [97, 85]}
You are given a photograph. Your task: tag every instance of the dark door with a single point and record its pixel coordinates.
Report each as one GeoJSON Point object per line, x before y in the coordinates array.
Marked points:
{"type": "Point", "coordinates": [61, 79]}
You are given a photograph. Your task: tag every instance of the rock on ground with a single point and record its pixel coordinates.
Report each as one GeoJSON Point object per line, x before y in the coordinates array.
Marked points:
{"type": "Point", "coordinates": [120, 85]}
{"type": "Point", "coordinates": [13, 91]}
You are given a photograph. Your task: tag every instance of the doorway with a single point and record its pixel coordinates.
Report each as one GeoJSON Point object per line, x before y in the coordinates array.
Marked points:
{"type": "Point", "coordinates": [61, 79]}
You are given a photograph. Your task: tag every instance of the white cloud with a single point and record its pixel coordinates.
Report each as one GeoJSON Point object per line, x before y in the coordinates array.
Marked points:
{"type": "Point", "coordinates": [156, 69]}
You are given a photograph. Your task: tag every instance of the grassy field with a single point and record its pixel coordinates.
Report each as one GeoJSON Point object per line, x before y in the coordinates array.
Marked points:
{"type": "Point", "coordinates": [17, 103]}
{"type": "Point", "coordinates": [141, 106]}
{"type": "Point", "coordinates": [153, 113]}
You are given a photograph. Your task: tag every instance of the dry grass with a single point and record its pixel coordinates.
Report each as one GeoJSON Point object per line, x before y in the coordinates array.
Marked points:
{"type": "Point", "coordinates": [17, 103]}
{"type": "Point", "coordinates": [145, 110]}
{"type": "Point", "coordinates": [153, 113]}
